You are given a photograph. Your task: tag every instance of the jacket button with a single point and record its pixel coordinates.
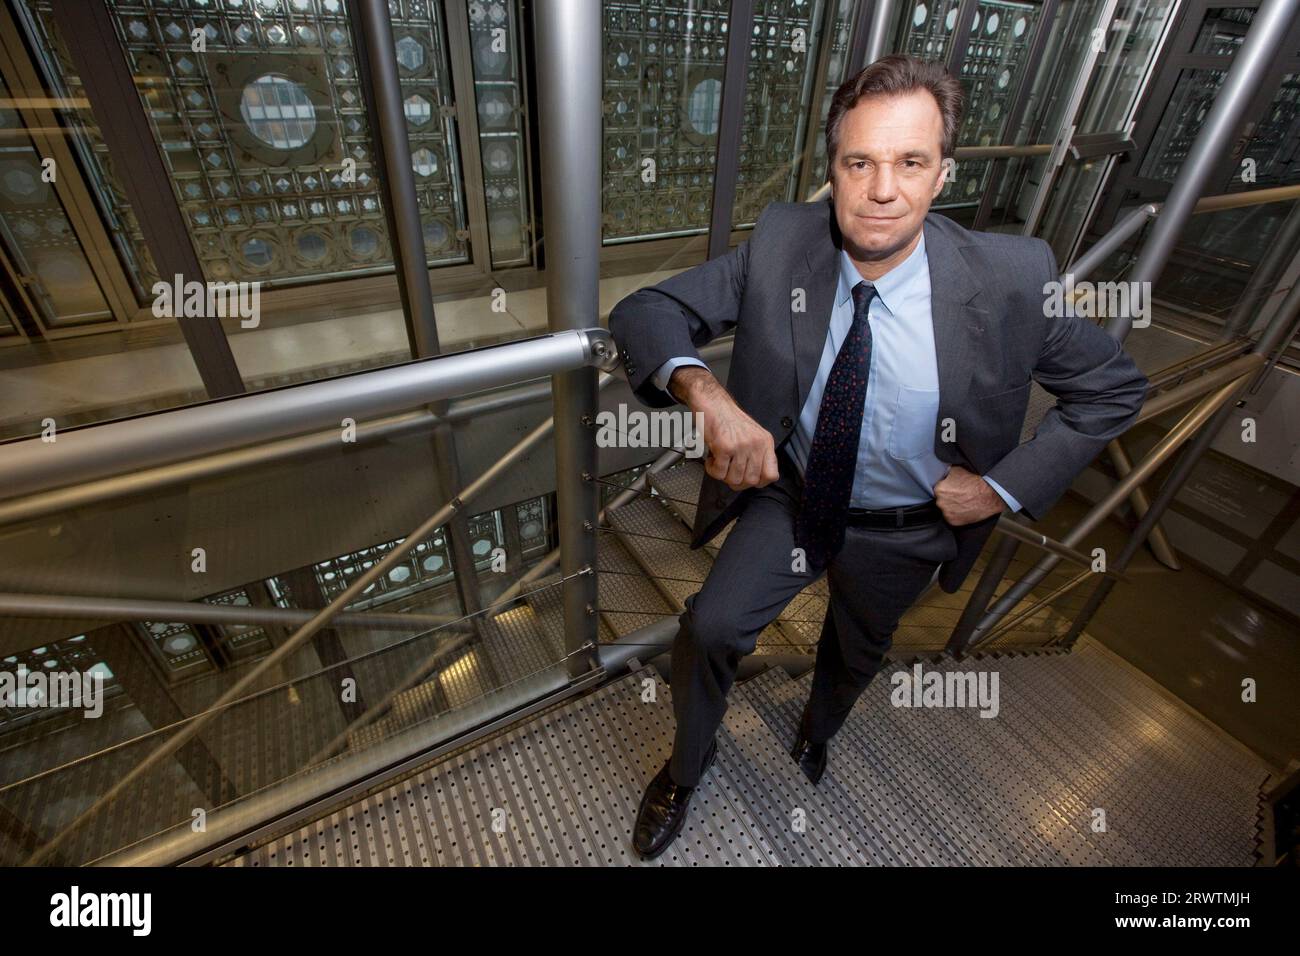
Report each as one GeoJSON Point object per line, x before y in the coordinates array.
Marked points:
{"type": "Point", "coordinates": [631, 370]}
{"type": "Point", "coordinates": [786, 423]}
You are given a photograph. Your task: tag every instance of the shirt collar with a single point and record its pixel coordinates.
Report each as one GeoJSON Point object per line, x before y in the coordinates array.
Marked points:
{"type": "Point", "coordinates": [890, 285]}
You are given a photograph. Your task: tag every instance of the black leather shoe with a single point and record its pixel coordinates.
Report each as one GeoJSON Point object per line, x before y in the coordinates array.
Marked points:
{"type": "Point", "coordinates": [663, 810]}
{"type": "Point", "coordinates": [810, 757]}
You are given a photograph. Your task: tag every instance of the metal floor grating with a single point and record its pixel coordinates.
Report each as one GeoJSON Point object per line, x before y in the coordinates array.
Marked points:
{"type": "Point", "coordinates": [547, 601]}
{"type": "Point", "coordinates": [622, 584]}
{"type": "Point", "coordinates": [903, 786]}
{"type": "Point", "coordinates": [514, 647]}
{"type": "Point", "coordinates": [562, 788]}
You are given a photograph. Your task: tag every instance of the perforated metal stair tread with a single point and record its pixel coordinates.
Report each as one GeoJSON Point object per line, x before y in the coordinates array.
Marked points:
{"type": "Point", "coordinates": [911, 818]}
{"type": "Point", "coordinates": [1060, 748]}
{"type": "Point", "coordinates": [562, 788]}
{"type": "Point", "coordinates": [661, 546]}
{"type": "Point", "coordinates": [904, 786]}
{"type": "Point", "coordinates": [515, 644]}
{"type": "Point", "coordinates": [803, 828]}
{"type": "Point", "coordinates": [625, 590]}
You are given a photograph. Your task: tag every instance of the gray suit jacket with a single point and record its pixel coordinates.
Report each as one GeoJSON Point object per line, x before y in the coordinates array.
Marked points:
{"type": "Point", "coordinates": [991, 338]}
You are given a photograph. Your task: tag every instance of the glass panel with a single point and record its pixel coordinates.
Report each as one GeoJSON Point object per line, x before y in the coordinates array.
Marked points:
{"type": "Point", "coordinates": [1217, 253]}
{"type": "Point", "coordinates": [836, 70]}
{"type": "Point", "coordinates": [928, 28]}
{"type": "Point", "coordinates": [97, 167]}
{"type": "Point", "coordinates": [180, 648]}
{"type": "Point", "coordinates": [1271, 150]}
{"type": "Point", "coordinates": [991, 72]}
{"type": "Point", "coordinates": [534, 526]}
{"type": "Point", "coordinates": [36, 234]}
{"type": "Point", "coordinates": [265, 136]}
{"type": "Point", "coordinates": [1274, 147]}
{"type": "Point", "coordinates": [240, 640]}
{"type": "Point", "coordinates": [427, 96]}
{"type": "Point", "coordinates": [783, 56]}
{"type": "Point", "coordinates": [76, 381]}
{"type": "Point", "coordinates": [1223, 30]}
{"type": "Point", "coordinates": [494, 31]}
{"type": "Point", "coordinates": [1120, 71]}
{"type": "Point", "coordinates": [1109, 106]}
{"type": "Point", "coordinates": [427, 566]}
{"type": "Point", "coordinates": [8, 324]}
{"type": "Point", "coordinates": [1186, 110]}
{"type": "Point", "coordinates": [1206, 278]}
{"type": "Point", "coordinates": [662, 96]}
{"type": "Point", "coordinates": [73, 655]}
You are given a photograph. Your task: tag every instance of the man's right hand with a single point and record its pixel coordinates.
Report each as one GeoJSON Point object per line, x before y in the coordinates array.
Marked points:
{"type": "Point", "coordinates": [740, 450]}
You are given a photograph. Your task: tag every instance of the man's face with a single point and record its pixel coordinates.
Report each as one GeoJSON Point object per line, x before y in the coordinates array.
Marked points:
{"type": "Point", "coordinates": [887, 170]}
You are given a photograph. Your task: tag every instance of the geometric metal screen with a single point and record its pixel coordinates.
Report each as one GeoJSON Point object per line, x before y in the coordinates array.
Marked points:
{"type": "Point", "coordinates": [841, 35]}
{"type": "Point", "coordinates": [663, 76]}
{"type": "Point", "coordinates": [991, 71]}
{"type": "Point", "coordinates": [425, 76]}
{"type": "Point", "coordinates": [662, 100]}
{"type": "Point", "coordinates": [265, 136]}
{"type": "Point", "coordinates": [495, 48]}
{"type": "Point", "coordinates": [783, 53]}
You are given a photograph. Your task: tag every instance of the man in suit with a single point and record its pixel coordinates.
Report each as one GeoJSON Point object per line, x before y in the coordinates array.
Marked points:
{"type": "Point", "coordinates": [869, 429]}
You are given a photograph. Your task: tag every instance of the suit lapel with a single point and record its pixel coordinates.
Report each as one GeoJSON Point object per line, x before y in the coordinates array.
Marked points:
{"type": "Point", "coordinates": [815, 282]}
{"type": "Point", "coordinates": [958, 322]}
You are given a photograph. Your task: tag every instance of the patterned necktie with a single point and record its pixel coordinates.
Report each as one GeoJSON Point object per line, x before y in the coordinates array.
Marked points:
{"type": "Point", "coordinates": [833, 458]}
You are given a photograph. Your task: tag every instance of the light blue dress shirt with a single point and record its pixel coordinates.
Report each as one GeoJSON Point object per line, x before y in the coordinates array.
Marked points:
{"type": "Point", "coordinates": [896, 461]}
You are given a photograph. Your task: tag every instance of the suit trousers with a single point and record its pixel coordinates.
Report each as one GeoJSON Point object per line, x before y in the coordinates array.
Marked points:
{"type": "Point", "coordinates": [872, 581]}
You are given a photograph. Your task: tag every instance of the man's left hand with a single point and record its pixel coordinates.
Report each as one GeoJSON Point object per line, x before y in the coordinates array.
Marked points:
{"type": "Point", "coordinates": [964, 497]}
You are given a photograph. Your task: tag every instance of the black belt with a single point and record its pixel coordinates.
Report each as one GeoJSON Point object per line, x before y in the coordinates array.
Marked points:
{"type": "Point", "coordinates": [895, 519]}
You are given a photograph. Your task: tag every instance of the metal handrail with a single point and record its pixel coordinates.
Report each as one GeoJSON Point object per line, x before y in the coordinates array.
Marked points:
{"type": "Point", "coordinates": [1006, 625]}
{"type": "Point", "coordinates": [210, 464]}
{"type": "Point", "coordinates": [537, 356]}
{"type": "Point", "coordinates": [1164, 449]}
{"type": "Point", "coordinates": [165, 437]}
{"type": "Point", "coordinates": [197, 612]}
{"type": "Point", "coordinates": [114, 448]}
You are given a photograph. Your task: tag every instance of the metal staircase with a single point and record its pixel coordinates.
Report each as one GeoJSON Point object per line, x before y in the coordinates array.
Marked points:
{"type": "Point", "coordinates": [1088, 762]}
{"type": "Point", "coordinates": [1077, 733]}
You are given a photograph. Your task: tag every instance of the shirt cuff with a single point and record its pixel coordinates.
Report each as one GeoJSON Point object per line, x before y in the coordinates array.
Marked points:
{"type": "Point", "coordinates": [665, 372]}
{"type": "Point", "coordinates": [1003, 494]}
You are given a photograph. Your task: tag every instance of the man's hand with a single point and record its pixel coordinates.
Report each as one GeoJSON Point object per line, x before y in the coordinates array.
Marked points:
{"type": "Point", "coordinates": [964, 497]}
{"type": "Point", "coordinates": [741, 451]}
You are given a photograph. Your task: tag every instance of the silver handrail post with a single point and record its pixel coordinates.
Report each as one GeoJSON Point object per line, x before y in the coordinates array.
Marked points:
{"type": "Point", "coordinates": [378, 55]}
{"type": "Point", "coordinates": [403, 208]}
{"type": "Point", "coordinates": [882, 19]}
{"type": "Point", "coordinates": [1249, 67]}
{"type": "Point", "coordinates": [569, 107]}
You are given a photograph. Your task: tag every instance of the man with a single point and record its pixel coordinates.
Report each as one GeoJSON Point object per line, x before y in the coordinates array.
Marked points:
{"type": "Point", "coordinates": [870, 426]}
